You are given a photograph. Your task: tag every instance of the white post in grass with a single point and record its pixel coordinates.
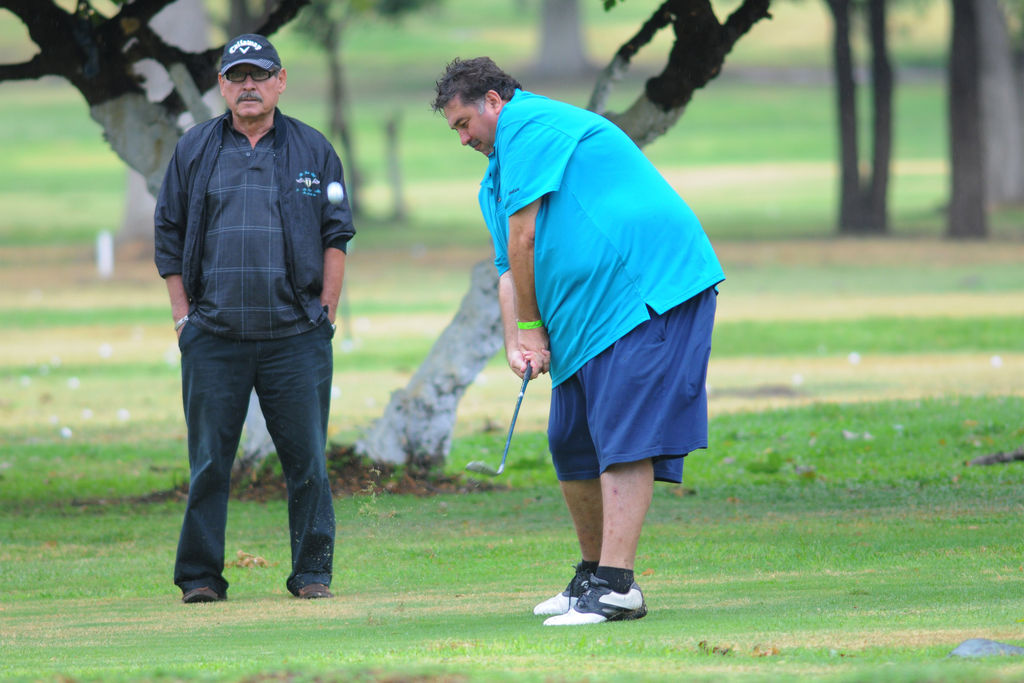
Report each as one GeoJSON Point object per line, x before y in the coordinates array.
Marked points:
{"type": "Point", "coordinates": [105, 254]}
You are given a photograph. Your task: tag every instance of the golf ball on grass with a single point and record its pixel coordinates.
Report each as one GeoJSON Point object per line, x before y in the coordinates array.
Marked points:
{"type": "Point", "coordinates": [335, 193]}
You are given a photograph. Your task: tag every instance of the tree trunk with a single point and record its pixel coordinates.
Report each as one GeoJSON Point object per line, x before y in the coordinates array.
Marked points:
{"type": "Point", "coordinates": [851, 215]}
{"type": "Point", "coordinates": [137, 217]}
{"type": "Point", "coordinates": [339, 116]}
{"type": "Point", "coordinates": [256, 442]}
{"type": "Point", "coordinates": [863, 201]}
{"type": "Point", "coordinates": [562, 53]}
{"type": "Point", "coordinates": [645, 121]}
{"type": "Point", "coordinates": [1000, 109]}
{"type": "Point", "coordinates": [416, 428]}
{"type": "Point", "coordinates": [967, 218]}
{"type": "Point", "coordinates": [877, 194]}
{"type": "Point", "coordinates": [141, 132]}
{"type": "Point", "coordinates": [393, 150]}
{"type": "Point", "coordinates": [238, 17]}
{"type": "Point", "coordinates": [184, 24]}
{"type": "Point", "coordinates": [243, 15]}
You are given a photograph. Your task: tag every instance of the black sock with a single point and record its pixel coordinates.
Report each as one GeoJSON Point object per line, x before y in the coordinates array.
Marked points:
{"type": "Point", "coordinates": [620, 580]}
{"type": "Point", "coordinates": [590, 567]}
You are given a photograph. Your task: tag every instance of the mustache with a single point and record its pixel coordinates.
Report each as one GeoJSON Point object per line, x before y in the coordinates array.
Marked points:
{"type": "Point", "coordinates": [249, 96]}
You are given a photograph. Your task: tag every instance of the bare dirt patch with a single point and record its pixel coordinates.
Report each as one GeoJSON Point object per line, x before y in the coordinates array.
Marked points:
{"type": "Point", "coordinates": [350, 475]}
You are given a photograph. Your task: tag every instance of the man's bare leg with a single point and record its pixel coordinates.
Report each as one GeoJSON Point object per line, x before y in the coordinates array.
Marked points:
{"type": "Point", "coordinates": [584, 500]}
{"type": "Point", "coordinates": [626, 492]}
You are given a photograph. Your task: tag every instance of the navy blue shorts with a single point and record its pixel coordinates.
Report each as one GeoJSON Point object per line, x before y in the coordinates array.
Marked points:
{"type": "Point", "coordinates": [643, 397]}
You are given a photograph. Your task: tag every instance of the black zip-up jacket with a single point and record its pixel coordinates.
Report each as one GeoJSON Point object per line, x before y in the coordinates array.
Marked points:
{"type": "Point", "coordinates": [306, 163]}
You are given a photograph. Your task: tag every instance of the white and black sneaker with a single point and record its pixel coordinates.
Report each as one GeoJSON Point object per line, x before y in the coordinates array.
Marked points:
{"type": "Point", "coordinates": [600, 603]}
{"type": "Point", "coordinates": [566, 600]}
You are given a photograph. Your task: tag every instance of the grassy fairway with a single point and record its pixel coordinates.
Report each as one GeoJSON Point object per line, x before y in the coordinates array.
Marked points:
{"type": "Point", "coordinates": [831, 532]}
{"type": "Point", "coordinates": [853, 559]}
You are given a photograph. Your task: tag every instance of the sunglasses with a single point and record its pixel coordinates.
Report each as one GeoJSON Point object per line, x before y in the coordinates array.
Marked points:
{"type": "Point", "coordinates": [239, 75]}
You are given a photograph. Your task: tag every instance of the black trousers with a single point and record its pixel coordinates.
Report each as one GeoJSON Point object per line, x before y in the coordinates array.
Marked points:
{"type": "Point", "coordinates": [292, 378]}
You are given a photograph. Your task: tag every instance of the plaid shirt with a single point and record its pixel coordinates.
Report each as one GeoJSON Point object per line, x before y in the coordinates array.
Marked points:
{"type": "Point", "coordinates": [246, 293]}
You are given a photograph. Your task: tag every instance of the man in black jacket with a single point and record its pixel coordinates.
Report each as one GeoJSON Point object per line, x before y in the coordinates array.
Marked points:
{"type": "Point", "coordinates": [253, 255]}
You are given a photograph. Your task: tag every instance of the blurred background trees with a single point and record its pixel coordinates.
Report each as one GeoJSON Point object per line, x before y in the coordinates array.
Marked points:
{"type": "Point", "coordinates": [144, 69]}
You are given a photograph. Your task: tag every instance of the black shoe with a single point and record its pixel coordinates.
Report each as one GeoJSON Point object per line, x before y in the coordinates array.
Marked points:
{"type": "Point", "coordinates": [312, 591]}
{"type": "Point", "coordinates": [600, 603]}
{"type": "Point", "coordinates": [566, 600]}
{"type": "Point", "coordinates": [202, 594]}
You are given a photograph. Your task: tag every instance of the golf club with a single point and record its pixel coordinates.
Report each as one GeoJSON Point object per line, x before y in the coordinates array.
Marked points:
{"type": "Point", "coordinates": [481, 467]}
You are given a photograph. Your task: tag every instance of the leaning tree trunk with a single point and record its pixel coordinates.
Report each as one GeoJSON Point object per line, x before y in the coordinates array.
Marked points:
{"type": "Point", "coordinates": [416, 428]}
{"type": "Point", "coordinates": [417, 423]}
{"type": "Point", "coordinates": [967, 218]}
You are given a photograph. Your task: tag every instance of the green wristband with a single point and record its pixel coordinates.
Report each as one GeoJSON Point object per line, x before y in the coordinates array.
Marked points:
{"type": "Point", "coordinates": [531, 325]}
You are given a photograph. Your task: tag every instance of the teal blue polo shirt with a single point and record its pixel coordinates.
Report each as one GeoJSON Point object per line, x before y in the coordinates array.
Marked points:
{"type": "Point", "coordinates": [612, 236]}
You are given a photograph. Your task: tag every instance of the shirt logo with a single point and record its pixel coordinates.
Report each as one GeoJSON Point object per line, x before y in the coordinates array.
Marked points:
{"type": "Point", "coordinates": [308, 184]}
{"type": "Point", "coordinates": [244, 46]}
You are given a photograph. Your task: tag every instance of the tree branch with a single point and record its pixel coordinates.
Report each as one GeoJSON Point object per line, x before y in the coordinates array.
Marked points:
{"type": "Point", "coordinates": [700, 48]}
{"type": "Point", "coordinates": [661, 18]}
{"type": "Point", "coordinates": [696, 57]}
{"type": "Point", "coordinates": [202, 65]}
{"type": "Point", "coordinates": [36, 67]}
{"type": "Point", "coordinates": [32, 13]}
{"type": "Point", "coordinates": [997, 458]}
{"type": "Point", "coordinates": [96, 53]}
{"type": "Point", "coordinates": [624, 56]}
{"type": "Point", "coordinates": [40, 18]}
{"type": "Point", "coordinates": [744, 18]}
{"type": "Point", "coordinates": [284, 13]}
{"type": "Point", "coordinates": [139, 13]}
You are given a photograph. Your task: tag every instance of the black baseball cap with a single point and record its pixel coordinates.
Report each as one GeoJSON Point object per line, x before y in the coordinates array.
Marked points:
{"type": "Point", "coordinates": [250, 48]}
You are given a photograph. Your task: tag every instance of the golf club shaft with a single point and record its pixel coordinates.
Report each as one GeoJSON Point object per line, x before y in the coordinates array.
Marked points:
{"type": "Point", "coordinates": [515, 414]}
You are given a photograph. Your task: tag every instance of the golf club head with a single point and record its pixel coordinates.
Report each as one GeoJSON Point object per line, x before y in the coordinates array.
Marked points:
{"type": "Point", "coordinates": [480, 467]}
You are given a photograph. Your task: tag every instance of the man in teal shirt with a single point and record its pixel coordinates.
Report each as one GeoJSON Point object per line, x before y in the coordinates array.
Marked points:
{"type": "Point", "coordinates": [607, 281]}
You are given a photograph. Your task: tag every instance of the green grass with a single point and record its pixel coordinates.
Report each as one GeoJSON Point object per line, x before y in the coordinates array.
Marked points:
{"type": "Point", "coordinates": [876, 334]}
{"type": "Point", "coordinates": [878, 565]}
{"type": "Point", "coordinates": [867, 279]}
{"type": "Point", "coordinates": [869, 335]}
{"type": "Point", "coordinates": [869, 449]}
